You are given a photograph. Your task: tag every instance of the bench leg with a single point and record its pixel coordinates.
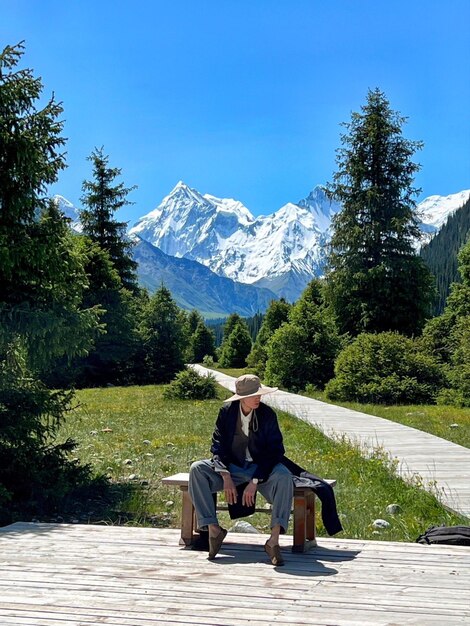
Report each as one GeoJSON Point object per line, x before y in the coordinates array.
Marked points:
{"type": "Point", "coordinates": [310, 521]}
{"type": "Point", "coordinates": [187, 519]}
{"type": "Point", "coordinates": [304, 522]}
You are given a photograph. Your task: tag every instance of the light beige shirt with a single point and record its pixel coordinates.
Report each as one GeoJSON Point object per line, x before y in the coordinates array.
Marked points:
{"type": "Point", "coordinates": [246, 419]}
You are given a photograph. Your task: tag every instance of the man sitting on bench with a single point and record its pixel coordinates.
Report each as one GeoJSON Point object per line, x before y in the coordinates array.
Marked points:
{"type": "Point", "coordinates": [248, 450]}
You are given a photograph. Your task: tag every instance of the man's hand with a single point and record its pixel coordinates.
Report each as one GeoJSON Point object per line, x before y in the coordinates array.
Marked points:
{"type": "Point", "coordinates": [249, 494]}
{"type": "Point", "coordinates": [230, 490]}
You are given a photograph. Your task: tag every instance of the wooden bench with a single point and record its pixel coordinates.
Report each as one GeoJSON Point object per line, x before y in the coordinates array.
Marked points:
{"type": "Point", "coordinates": [304, 536]}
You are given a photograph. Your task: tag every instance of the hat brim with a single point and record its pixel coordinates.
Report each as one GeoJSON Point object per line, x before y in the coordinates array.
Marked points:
{"type": "Point", "coordinates": [260, 392]}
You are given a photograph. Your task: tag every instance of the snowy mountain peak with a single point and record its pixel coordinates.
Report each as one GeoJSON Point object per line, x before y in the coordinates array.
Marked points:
{"type": "Point", "coordinates": [282, 251]}
{"type": "Point", "coordinates": [289, 211]}
{"type": "Point", "coordinates": [181, 191]}
{"type": "Point", "coordinates": [186, 222]}
{"type": "Point", "coordinates": [69, 210]}
{"type": "Point", "coordinates": [229, 205]}
{"type": "Point", "coordinates": [321, 207]}
{"type": "Point", "coordinates": [435, 210]}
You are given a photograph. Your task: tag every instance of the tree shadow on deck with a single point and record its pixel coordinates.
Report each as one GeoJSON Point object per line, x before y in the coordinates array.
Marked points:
{"type": "Point", "coordinates": [98, 502]}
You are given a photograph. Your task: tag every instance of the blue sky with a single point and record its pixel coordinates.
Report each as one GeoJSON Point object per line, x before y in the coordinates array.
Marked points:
{"type": "Point", "coordinates": [245, 98]}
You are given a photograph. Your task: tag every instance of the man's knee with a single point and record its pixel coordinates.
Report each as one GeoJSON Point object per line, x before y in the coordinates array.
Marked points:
{"type": "Point", "coordinates": [201, 470]}
{"type": "Point", "coordinates": [196, 467]}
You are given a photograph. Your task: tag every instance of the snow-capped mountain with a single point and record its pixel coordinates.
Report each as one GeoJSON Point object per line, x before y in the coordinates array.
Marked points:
{"type": "Point", "coordinates": [223, 235]}
{"type": "Point", "coordinates": [281, 251]}
{"type": "Point", "coordinates": [187, 223]}
{"type": "Point", "coordinates": [69, 210]}
{"type": "Point", "coordinates": [435, 210]}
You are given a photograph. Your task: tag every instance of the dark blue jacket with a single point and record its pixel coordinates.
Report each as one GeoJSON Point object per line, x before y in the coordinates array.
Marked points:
{"type": "Point", "coordinates": [264, 441]}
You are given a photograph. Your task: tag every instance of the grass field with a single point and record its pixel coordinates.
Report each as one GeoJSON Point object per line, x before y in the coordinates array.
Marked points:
{"type": "Point", "coordinates": [135, 437]}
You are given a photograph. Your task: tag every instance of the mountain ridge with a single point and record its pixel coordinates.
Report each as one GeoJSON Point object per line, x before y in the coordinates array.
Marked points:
{"type": "Point", "coordinates": [280, 252]}
{"type": "Point", "coordinates": [195, 286]}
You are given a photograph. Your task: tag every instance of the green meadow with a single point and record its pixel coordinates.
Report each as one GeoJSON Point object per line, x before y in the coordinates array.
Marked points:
{"type": "Point", "coordinates": [135, 437]}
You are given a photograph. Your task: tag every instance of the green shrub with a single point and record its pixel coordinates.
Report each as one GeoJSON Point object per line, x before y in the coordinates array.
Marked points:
{"type": "Point", "coordinates": [189, 385]}
{"type": "Point", "coordinates": [208, 360]}
{"type": "Point", "coordinates": [303, 350]}
{"type": "Point", "coordinates": [385, 368]}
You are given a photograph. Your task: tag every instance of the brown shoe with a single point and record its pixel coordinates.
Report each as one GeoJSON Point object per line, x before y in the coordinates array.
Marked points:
{"type": "Point", "coordinates": [215, 543]}
{"type": "Point", "coordinates": [274, 553]}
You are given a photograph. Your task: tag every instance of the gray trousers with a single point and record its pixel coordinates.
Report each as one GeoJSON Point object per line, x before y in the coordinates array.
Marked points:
{"type": "Point", "coordinates": [278, 490]}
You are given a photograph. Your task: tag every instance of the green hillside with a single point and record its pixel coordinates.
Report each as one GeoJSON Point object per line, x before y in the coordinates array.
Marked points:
{"type": "Point", "coordinates": [441, 252]}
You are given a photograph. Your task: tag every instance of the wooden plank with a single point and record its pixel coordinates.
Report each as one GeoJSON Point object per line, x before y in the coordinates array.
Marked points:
{"type": "Point", "coordinates": [66, 575]}
{"type": "Point", "coordinates": [182, 480]}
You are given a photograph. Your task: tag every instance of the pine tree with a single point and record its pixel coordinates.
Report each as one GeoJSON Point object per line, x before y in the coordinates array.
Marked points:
{"type": "Point", "coordinates": [163, 336]}
{"type": "Point", "coordinates": [440, 336]}
{"type": "Point", "coordinates": [276, 315]}
{"type": "Point", "coordinates": [440, 254]}
{"type": "Point", "coordinates": [376, 282]}
{"type": "Point", "coordinates": [42, 280]}
{"type": "Point", "coordinates": [303, 350]}
{"type": "Point", "coordinates": [232, 320]}
{"type": "Point", "coordinates": [202, 343]}
{"type": "Point", "coordinates": [102, 200]}
{"type": "Point", "coordinates": [447, 337]}
{"type": "Point", "coordinates": [236, 346]}
{"type": "Point", "coordinates": [194, 318]}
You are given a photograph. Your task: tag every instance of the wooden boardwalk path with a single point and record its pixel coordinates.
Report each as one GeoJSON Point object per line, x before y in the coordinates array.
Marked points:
{"type": "Point", "coordinates": [80, 575]}
{"type": "Point", "coordinates": [443, 466]}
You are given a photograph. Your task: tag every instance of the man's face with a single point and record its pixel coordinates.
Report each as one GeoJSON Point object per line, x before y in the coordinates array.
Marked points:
{"type": "Point", "coordinates": [248, 404]}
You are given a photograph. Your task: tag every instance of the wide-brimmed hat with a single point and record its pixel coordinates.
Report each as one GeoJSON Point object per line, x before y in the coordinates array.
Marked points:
{"type": "Point", "coordinates": [247, 386]}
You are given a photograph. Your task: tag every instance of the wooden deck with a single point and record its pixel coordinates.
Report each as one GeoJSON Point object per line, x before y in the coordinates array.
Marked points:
{"type": "Point", "coordinates": [71, 575]}
{"type": "Point", "coordinates": [443, 466]}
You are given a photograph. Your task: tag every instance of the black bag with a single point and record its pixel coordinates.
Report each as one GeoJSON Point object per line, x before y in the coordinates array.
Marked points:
{"type": "Point", "coordinates": [450, 535]}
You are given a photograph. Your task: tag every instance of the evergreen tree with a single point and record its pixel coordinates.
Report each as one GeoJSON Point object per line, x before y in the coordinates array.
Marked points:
{"type": "Point", "coordinates": [232, 320]}
{"type": "Point", "coordinates": [202, 343]}
{"type": "Point", "coordinates": [254, 324]}
{"type": "Point", "coordinates": [376, 282]}
{"type": "Point", "coordinates": [41, 287]}
{"type": "Point", "coordinates": [191, 321]}
{"type": "Point", "coordinates": [102, 200]}
{"type": "Point", "coordinates": [447, 336]}
{"type": "Point", "coordinates": [276, 315]}
{"type": "Point", "coordinates": [163, 335]}
{"type": "Point", "coordinates": [439, 336]}
{"type": "Point", "coordinates": [108, 362]}
{"type": "Point", "coordinates": [217, 327]}
{"type": "Point", "coordinates": [302, 352]}
{"type": "Point", "coordinates": [236, 347]}
{"type": "Point", "coordinates": [194, 319]}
